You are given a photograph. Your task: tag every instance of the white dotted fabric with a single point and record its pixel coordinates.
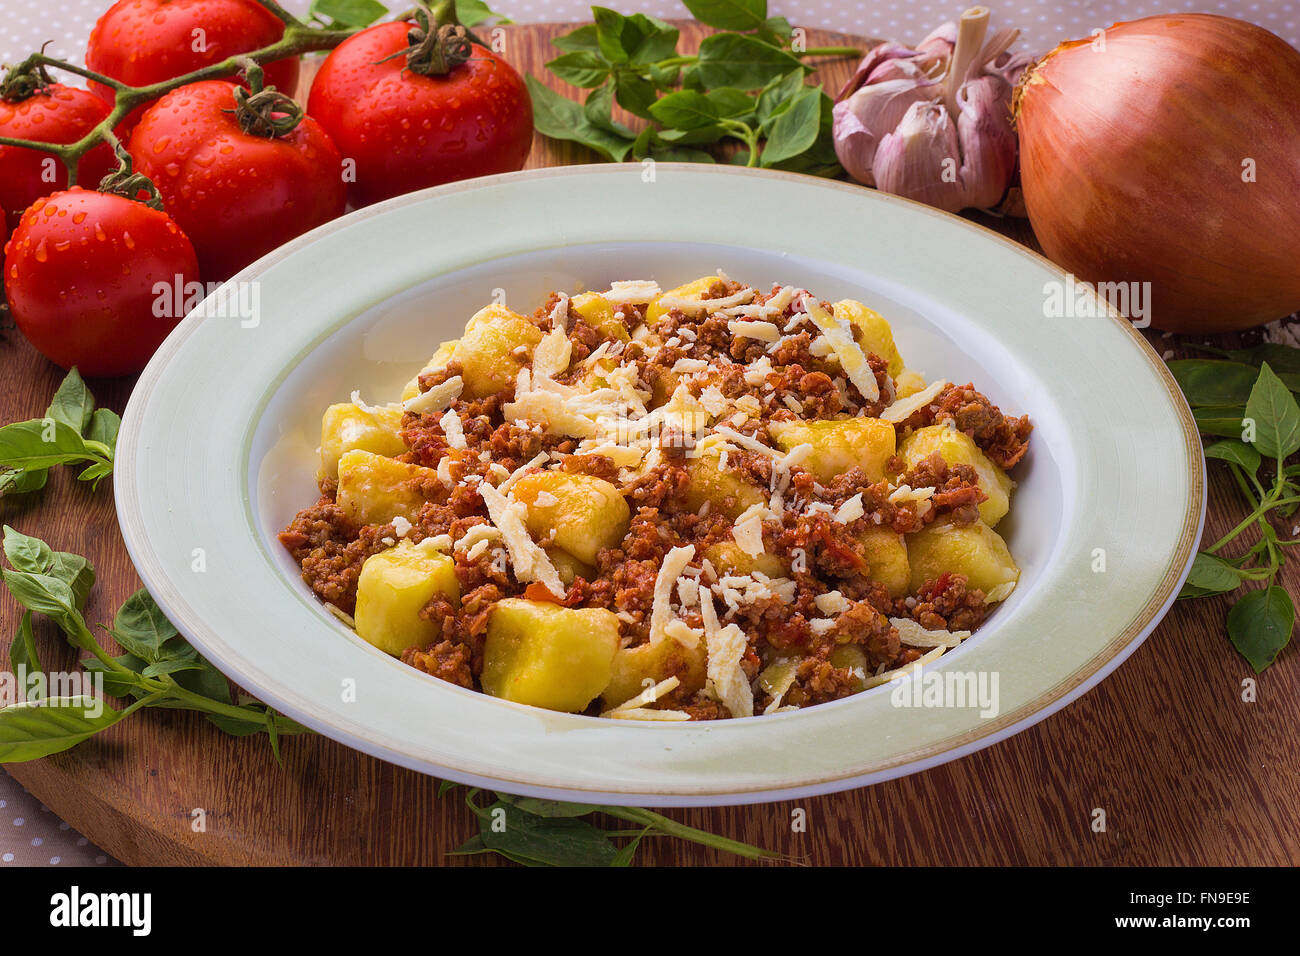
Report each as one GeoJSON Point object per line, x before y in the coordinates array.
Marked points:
{"type": "Point", "coordinates": [29, 833]}
{"type": "Point", "coordinates": [26, 24]}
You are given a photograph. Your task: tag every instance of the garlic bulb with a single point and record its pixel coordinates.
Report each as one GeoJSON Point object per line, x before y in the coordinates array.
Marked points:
{"type": "Point", "coordinates": [934, 123]}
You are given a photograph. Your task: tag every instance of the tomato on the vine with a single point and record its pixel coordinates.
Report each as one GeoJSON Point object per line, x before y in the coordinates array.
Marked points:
{"type": "Point", "coordinates": [54, 114]}
{"type": "Point", "coordinates": [140, 42]}
{"type": "Point", "coordinates": [416, 115]}
{"type": "Point", "coordinates": [240, 173]}
{"type": "Point", "coordinates": [83, 274]}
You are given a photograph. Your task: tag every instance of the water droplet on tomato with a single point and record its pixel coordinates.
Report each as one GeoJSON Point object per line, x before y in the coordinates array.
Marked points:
{"type": "Point", "coordinates": [40, 253]}
{"type": "Point", "coordinates": [127, 240]}
{"type": "Point", "coordinates": [79, 218]}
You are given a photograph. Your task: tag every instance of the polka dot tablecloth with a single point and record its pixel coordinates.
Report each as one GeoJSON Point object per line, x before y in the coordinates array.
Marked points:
{"type": "Point", "coordinates": [33, 836]}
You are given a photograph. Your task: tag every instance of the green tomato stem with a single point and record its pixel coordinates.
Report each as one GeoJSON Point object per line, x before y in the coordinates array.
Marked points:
{"type": "Point", "coordinates": [831, 51]}
{"type": "Point", "coordinates": [298, 38]}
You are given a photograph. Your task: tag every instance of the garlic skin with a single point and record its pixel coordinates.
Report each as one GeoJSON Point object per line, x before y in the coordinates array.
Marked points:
{"type": "Point", "coordinates": [934, 123]}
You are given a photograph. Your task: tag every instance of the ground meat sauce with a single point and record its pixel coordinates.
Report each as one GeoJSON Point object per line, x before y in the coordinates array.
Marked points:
{"type": "Point", "coordinates": [792, 379]}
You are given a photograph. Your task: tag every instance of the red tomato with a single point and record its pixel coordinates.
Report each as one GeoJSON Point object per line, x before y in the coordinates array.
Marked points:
{"type": "Point", "coordinates": [146, 41]}
{"type": "Point", "coordinates": [405, 131]}
{"type": "Point", "coordinates": [60, 114]}
{"type": "Point", "coordinates": [236, 195]}
{"type": "Point", "coordinates": [89, 278]}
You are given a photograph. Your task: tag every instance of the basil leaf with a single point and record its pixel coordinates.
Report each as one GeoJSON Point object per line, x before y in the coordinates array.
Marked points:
{"type": "Point", "coordinates": [581, 68]}
{"type": "Point", "coordinates": [103, 427]}
{"type": "Point", "coordinates": [664, 77]}
{"type": "Point", "coordinates": [731, 103]}
{"type": "Point", "coordinates": [206, 681]}
{"type": "Point", "coordinates": [547, 808]}
{"type": "Point", "coordinates": [1224, 420]}
{"type": "Point", "coordinates": [27, 553]}
{"type": "Point", "coordinates": [1260, 625]}
{"type": "Point", "coordinates": [733, 59]}
{"type": "Point", "coordinates": [779, 93]}
{"type": "Point", "coordinates": [648, 40]}
{"type": "Point", "coordinates": [776, 30]}
{"type": "Point", "coordinates": [1211, 575]}
{"type": "Point", "coordinates": [236, 727]}
{"type": "Point", "coordinates": [1276, 415]}
{"type": "Point", "coordinates": [41, 444]}
{"type": "Point", "coordinates": [729, 14]}
{"type": "Point", "coordinates": [609, 34]}
{"type": "Point", "coordinates": [470, 13]}
{"type": "Point", "coordinates": [48, 595]}
{"type": "Point", "coordinates": [1237, 452]}
{"type": "Point", "coordinates": [583, 38]}
{"type": "Point", "coordinates": [36, 729]}
{"type": "Point", "coordinates": [76, 572]}
{"type": "Point", "coordinates": [599, 110]}
{"type": "Point", "coordinates": [559, 117]}
{"type": "Point", "coordinates": [795, 129]}
{"type": "Point", "coordinates": [1213, 382]}
{"type": "Point", "coordinates": [685, 109]}
{"type": "Point", "coordinates": [679, 154]}
{"type": "Point", "coordinates": [22, 482]}
{"type": "Point", "coordinates": [1282, 358]}
{"type": "Point", "coordinates": [72, 403]}
{"type": "Point", "coordinates": [356, 13]}
{"type": "Point", "coordinates": [635, 94]}
{"type": "Point", "coordinates": [23, 656]}
{"type": "Point", "coordinates": [143, 623]}
{"type": "Point", "coordinates": [558, 841]}
{"type": "Point", "coordinates": [702, 136]}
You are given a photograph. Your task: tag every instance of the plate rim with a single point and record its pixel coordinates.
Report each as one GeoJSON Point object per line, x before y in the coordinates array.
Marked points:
{"type": "Point", "coordinates": [1047, 703]}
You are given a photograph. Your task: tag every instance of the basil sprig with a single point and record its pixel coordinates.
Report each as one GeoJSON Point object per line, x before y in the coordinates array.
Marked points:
{"type": "Point", "coordinates": [1252, 408]}
{"type": "Point", "coordinates": [747, 84]}
{"type": "Point", "coordinates": [73, 432]}
{"type": "Point", "coordinates": [534, 832]}
{"type": "Point", "coordinates": [159, 669]}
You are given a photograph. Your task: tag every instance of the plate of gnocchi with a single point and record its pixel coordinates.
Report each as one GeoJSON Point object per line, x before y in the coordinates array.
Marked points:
{"type": "Point", "coordinates": [725, 487]}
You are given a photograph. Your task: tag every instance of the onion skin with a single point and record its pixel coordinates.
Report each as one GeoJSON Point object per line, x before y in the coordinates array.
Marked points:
{"type": "Point", "coordinates": [1131, 161]}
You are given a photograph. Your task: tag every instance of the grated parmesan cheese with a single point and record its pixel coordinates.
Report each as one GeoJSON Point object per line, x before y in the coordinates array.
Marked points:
{"type": "Point", "coordinates": [436, 398]}
{"type": "Point", "coordinates": [530, 562]}
{"type": "Point", "coordinates": [904, 408]}
{"type": "Point", "coordinates": [631, 292]}
{"type": "Point", "coordinates": [661, 612]}
{"type": "Point", "coordinates": [914, 635]}
{"type": "Point", "coordinates": [748, 529]}
{"type": "Point", "coordinates": [852, 359]}
{"type": "Point", "coordinates": [750, 329]}
{"type": "Point", "coordinates": [453, 429]}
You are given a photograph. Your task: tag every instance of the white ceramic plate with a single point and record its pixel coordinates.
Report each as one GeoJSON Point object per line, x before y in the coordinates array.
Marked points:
{"type": "Point", "coordinates": [217, 453]}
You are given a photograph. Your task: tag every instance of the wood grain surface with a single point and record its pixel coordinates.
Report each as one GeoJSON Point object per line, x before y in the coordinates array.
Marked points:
{"type": "Point", "coordinates": [1186, 772]}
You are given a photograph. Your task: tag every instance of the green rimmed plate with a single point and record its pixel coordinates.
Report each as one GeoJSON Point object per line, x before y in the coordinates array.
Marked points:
{"type": "Point", "coordinates": [217, 452]}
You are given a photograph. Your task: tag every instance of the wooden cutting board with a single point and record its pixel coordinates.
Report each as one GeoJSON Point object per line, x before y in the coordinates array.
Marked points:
{"type": "Point", "coordinates": [1185, 771]}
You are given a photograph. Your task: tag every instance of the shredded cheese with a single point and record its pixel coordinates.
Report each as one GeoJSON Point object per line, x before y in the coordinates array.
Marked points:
{"type": "Point", "coordinates": [453, 429]}
{"type": "Point", "coordinates": [661, 611]}
{"type": "Point", "coordinates": [914, 635]}
{"type": "Point", "coordinates": [852, 359]}
{"type": "Point", "coordinates": [750, 329]}
{"type": "Point", "coordinates": [631, 292]}
{"type": "Point", "coordinates": [529, 561]}
{"type": "Point", "coordinates": [436, 398]}
{"type": "Point", "coordinates": [647, 696]}
{"type": "Point", "coordinates": [904, 408]}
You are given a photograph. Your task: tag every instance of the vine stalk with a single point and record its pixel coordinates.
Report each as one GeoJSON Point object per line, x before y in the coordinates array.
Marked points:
{"type": "Point", "coordinates": [298, 38]}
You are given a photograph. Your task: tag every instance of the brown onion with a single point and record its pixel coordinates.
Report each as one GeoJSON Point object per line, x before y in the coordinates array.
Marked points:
{"type": "Point", "coordinates": [1167, 150]}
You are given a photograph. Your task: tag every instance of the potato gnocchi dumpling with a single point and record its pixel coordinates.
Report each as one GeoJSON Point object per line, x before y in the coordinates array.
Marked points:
{"type": "Point", "coordinates": [704, 503]}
